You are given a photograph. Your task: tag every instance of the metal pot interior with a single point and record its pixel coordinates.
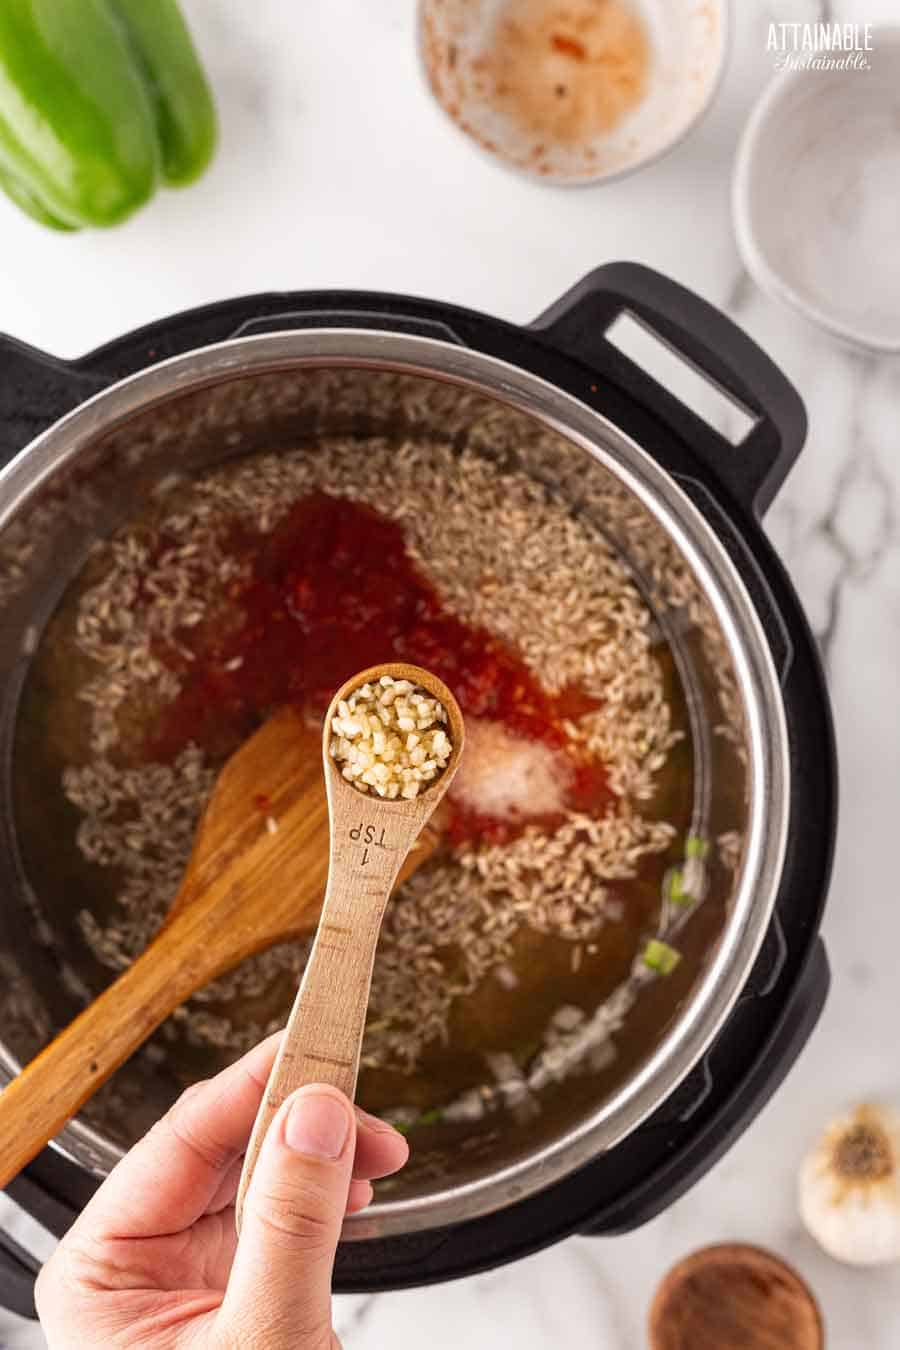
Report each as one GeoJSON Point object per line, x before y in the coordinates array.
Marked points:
{"type": "Point", "coordinates": [99, 470]}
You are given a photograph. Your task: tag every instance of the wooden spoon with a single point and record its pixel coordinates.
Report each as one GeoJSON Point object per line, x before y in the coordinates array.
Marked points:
{"type": "Point", "coordinates": [370, 839]}
{"type": "Point", "coordinates": [256, 877]}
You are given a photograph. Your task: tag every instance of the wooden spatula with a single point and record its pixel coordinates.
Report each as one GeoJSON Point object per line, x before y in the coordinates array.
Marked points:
{"type": "Point", "coordinates": [256, 876]}
{"type": "Point", "coordinates": [370, 840]}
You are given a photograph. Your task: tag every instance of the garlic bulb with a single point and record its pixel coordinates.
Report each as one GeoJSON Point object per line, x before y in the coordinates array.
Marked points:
{"type": "Point", "coordinates": [849, 1187]}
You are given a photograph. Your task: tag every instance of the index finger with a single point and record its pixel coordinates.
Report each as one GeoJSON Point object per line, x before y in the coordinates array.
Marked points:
{"type": "Point", "coordinates": [171, 1176]}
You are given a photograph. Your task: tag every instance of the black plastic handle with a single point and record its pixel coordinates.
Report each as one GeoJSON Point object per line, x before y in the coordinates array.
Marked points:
{"type": "Point", "coordinates": [753, 471]}
{"type": "Point", "coordinates": [36, 389]}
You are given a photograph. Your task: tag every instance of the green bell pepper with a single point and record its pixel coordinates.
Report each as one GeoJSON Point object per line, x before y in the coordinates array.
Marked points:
{"type": "Point", "coordinates": [185, 115]}
{"type": "Point", "coordinates": [100, 100]}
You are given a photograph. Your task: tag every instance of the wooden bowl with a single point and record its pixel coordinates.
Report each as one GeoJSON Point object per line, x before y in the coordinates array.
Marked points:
{"type": "Point", "coordinates": [734, 1297]}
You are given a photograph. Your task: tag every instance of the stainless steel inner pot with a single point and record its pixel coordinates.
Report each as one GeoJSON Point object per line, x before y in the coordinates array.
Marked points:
{"type": "Point", "coordinates": [92, 470]}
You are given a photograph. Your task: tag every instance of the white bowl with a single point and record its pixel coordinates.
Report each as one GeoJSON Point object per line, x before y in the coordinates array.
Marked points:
{"type": "Point", "coordinates": [816, 196]}
{"type": "Point", "coordinates": [687, 41]}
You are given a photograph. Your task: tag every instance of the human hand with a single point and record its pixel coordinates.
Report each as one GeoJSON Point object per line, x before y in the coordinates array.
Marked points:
{"type": "Point", "coordinates": [154, 1261]}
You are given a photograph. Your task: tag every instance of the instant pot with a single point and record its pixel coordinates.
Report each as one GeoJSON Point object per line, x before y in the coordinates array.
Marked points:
{"type": "Point", "coordinates": [83, 443]}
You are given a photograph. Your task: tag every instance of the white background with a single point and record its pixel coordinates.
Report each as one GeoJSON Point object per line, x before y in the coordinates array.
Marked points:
{"type": "Point", "coordinates": [336, 171]}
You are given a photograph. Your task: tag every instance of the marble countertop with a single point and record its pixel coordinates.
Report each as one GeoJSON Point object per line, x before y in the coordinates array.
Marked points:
{"type": "Point", "coordinates": [336, 171]}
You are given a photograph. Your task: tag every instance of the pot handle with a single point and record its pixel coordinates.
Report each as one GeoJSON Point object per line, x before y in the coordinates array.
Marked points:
{"type": "Point", "coordinates": [36, 389]}
{"type": "Point", "coordinates": [752, 471]}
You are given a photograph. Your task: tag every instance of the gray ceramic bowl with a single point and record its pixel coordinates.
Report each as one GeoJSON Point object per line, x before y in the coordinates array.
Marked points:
{"type": "Point", "coordinates": [816, 196]}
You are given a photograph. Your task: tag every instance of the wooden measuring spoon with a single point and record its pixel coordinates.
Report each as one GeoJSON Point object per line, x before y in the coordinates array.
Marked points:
{"type": "Point", "coordinates": [256, 877]}
{"type": "Point", "coordinates": [370, 839]}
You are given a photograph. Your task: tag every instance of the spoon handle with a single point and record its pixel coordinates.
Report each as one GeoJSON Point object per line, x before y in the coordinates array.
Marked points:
{"type": "Point", "coordinates": [50, 1090]}
{"type": "Point", "coordinates": [369, 843]}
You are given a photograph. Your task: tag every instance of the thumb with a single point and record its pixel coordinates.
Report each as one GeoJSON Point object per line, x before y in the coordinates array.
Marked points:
{"type": "Point", "coordinates": [279, 1292]}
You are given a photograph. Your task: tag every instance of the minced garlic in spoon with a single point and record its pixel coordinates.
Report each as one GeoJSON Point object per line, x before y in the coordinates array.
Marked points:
{"type": "Point", "coordinates": [389, 737]}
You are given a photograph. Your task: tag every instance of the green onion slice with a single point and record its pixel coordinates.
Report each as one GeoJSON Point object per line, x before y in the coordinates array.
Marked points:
{"type": "Point", "coordinates": [659, 956]}
{"type": "Point", "coordinates": [674, 888]}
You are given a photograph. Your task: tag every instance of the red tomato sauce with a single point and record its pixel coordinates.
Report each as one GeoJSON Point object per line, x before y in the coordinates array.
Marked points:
{"type": "Point", "coordinates": [333, 590]}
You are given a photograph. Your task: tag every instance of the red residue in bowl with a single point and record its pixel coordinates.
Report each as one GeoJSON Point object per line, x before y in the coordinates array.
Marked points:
{"type": "Point", "coordinates": [568, 72]}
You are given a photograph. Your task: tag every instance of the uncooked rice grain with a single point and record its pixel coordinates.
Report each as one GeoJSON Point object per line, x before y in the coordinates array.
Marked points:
{"type": "Point", "coordinates": [503, 553]}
